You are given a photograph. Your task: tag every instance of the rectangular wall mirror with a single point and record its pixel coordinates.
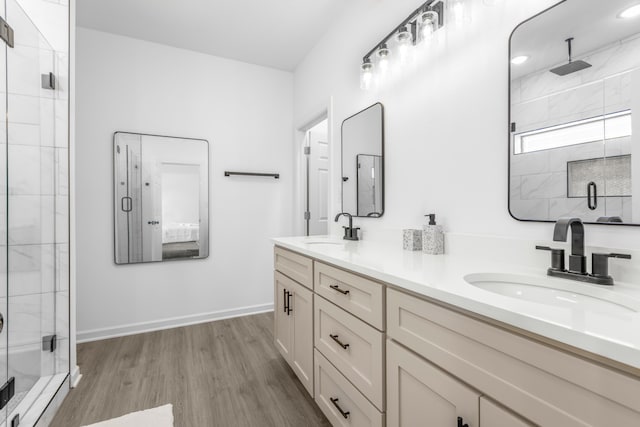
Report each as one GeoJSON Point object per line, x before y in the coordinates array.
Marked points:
{"type": "Point", "coordinates": [363, 163]}
{"type": "Point", "coordinates": [161, 204]}
{"type": "Point", "coordinates": [575, 114]}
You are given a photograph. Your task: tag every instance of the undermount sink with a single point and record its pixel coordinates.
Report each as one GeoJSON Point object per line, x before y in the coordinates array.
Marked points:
{"type": "Point", "coordinates": [323, 242]}
{"type": "Point", "coordinates": [555, 292]}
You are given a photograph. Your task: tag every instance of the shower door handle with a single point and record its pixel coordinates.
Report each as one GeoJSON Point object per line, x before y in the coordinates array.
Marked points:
{"type": "Point", "coordinates": [592, 196]}
{"type": "Point", "coordinates": [129, 204]}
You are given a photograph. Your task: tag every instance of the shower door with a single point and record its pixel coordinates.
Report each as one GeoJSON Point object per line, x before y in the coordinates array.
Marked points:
{"type": "Point", "coordinates": [34, 339]}
{"type": "Point", "coordinates": [4, 336]}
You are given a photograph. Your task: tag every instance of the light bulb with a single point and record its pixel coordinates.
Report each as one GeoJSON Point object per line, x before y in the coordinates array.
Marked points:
{"type": "Point", "coordinates": [383, 57]}
{"type": "Point", "coordinates": [404, 45]}
{"type": "Point", "coordinates": [366, 74]}
{"type": "Point", "coordinates": [427, 24]}
{"type": "Point", "coordinates": [459, 12]}
{"type": "Point", "coordinates": [630, 12]}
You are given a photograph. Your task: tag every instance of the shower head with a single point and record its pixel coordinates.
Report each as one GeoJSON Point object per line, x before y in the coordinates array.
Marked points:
{"type": "Point", "coordinates": [572, 66]}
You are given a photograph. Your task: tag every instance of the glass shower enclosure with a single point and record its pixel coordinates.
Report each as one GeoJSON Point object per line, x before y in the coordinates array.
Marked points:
{"type": "Point", "coordinates": [34, 245]}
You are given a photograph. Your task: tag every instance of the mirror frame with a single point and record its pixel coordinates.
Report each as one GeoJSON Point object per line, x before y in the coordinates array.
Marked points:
{"type": "Point", "coordinates": [509, 65]}
{"type": "Point", "coordinates": [381, 154]}
{"type": "Point", "coordinates": [113, 198]}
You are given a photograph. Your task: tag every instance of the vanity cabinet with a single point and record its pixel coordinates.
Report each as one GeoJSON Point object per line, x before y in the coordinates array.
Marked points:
{"type": "Point", "coordinates": [543, 384]}
{"type": "Point", "coordinates": [374, 354]}
{"type": "Point", "coordinates": [293, 326]}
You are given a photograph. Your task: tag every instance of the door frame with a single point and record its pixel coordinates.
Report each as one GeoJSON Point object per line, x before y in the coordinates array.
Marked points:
{"type": "Point", "coordinates": [300, 186]}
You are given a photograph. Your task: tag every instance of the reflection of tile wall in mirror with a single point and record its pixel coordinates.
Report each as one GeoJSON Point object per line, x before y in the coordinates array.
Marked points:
{"type": "Point", "coordinates": [612, 175]}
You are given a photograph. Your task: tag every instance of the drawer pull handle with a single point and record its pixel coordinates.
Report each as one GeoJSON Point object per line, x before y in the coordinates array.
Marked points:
{"type": "Point", "coordinates": [335, 403]}
{"type": "Point", "coordinates": [461, 423]}
{"type": "Point", "coordinates": [289, 310]}
{"type": "Point", "coordinates": [337, 288]}
{"type": "Point", "coordinates": [335, 338]}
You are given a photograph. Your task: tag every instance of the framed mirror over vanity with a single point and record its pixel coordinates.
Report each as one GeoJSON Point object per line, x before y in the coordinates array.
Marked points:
{"type": "Point", "coordinates": [363, 163]}
{"type": "Point", "coordinates": [161, 198]}
{"type": "Point", "coordinates": [575, 114]}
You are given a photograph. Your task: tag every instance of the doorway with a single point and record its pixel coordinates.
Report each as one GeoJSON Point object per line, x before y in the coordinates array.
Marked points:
{"type": "Point", "coordinates": [316, 151]}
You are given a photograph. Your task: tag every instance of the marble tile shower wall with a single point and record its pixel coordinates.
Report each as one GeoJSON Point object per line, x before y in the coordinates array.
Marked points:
{"type": "Point", "coordinates": [36, 155]}
{"type": "Point", "coordinates": [542, 99]}
{"type": "Point", "coordinates": [538, 187]}
{"type": "Point", "coordinates": [539, 183]}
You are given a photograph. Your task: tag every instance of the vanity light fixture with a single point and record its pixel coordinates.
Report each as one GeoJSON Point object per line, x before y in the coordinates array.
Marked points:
{"type": "Point", "coordinates": [382, 54]}
{"type": "Point", "coordinates": [630, 12]}
{"type": "Point", "coordinates": [519, 59]}
{"type": "Point", "coordinates": [398, 45]}
{"type": "Point", "coordinates": [427, 24]}
{"type": "Point", "coordinates": [404, 45]}
{"type": "Point", "coordinates": [366, 75]}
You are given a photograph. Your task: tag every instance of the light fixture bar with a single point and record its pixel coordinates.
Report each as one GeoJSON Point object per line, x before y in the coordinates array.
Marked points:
{"type": "Point", "coordinates": [430, 5]}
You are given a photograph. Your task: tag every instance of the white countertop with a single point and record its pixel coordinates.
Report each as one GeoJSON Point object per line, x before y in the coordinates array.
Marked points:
{"type": "Point", "coordinates": [614, 335]}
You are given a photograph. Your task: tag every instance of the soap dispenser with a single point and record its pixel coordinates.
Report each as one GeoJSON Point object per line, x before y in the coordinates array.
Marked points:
{"type": "Point", "coordinates": [432, 237]}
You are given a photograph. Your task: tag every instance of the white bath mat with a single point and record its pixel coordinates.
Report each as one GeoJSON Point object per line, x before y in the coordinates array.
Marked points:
{"type": "Point", "coordinates": [162, 416]}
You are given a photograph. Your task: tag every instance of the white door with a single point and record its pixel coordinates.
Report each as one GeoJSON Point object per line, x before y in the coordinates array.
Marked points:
{"type": "Point", "coordinates": [318, 180]}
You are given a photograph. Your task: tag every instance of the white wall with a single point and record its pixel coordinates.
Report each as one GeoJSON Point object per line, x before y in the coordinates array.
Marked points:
{"type": "Point", "coordinates": [446, 124]}
{"type": "Point", "coordinates": [245, 112]}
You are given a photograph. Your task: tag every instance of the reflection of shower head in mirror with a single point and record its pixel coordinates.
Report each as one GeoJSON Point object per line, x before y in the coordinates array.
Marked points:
{"type": "Point", "coordinates": [572, 66]}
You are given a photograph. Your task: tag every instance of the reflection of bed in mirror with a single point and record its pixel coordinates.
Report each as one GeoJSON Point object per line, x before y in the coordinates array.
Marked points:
{"type": "Point", "coordinates": [180, 240]}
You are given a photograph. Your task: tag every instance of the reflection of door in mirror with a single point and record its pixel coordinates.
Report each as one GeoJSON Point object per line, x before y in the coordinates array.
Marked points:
{"type": "Point", "coordinates": [161, 193]}
{"type": "Point", "coordinates": [369, 187]}
{"type": "Point", "coordinates": [573, 132]}
{"type": "Point", "coordinates": [180, 210]}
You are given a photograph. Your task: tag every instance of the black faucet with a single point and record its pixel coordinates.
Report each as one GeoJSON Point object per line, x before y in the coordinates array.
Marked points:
{"type": "Point", "coordinates": [350, 233]}
{"type": "Point", "coordinates": [577, 260]}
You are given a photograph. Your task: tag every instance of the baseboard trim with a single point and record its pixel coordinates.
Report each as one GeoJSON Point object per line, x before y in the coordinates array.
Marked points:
{"type": "Point", "coordinates": [175, 322]}
{"type": "Point", "coordinates": [76, 376]}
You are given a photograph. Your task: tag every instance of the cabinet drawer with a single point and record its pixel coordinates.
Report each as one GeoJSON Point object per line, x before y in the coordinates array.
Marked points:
{"type": "Point", "coordinates": [294, 266]}
{"type": "Point", "coordinates": [334, 391]}
{"type": "Point", "coordinates": [493, 415]}
{"type": "Point", "coordinates": [353, 347]}
{"type": "Point", "coordinates": [545, 385]}
{"type": "Point", "coordinates": [361, 297]}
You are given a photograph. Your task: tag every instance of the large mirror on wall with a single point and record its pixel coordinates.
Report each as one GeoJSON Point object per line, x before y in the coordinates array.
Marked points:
{"type": "Point", "coordinates": [575, 114]}
{"type": "Point", "coordinates": [161, 206]}
{"type": "Point", "coordinates": [363, 163]}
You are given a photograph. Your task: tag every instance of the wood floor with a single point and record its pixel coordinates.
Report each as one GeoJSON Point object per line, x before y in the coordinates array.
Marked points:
{"type": "Point", "coordinates": [224, 373]}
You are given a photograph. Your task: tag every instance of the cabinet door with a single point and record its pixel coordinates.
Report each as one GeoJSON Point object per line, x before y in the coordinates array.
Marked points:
{"type": "Point", "coordinates": [492, 415]}
{"type": "Point", "coordinates": [418, 393]}
{"type": "Point", "coordinates": [302, 335]}
{"type": "Point", "coordinates": [282, 318]}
